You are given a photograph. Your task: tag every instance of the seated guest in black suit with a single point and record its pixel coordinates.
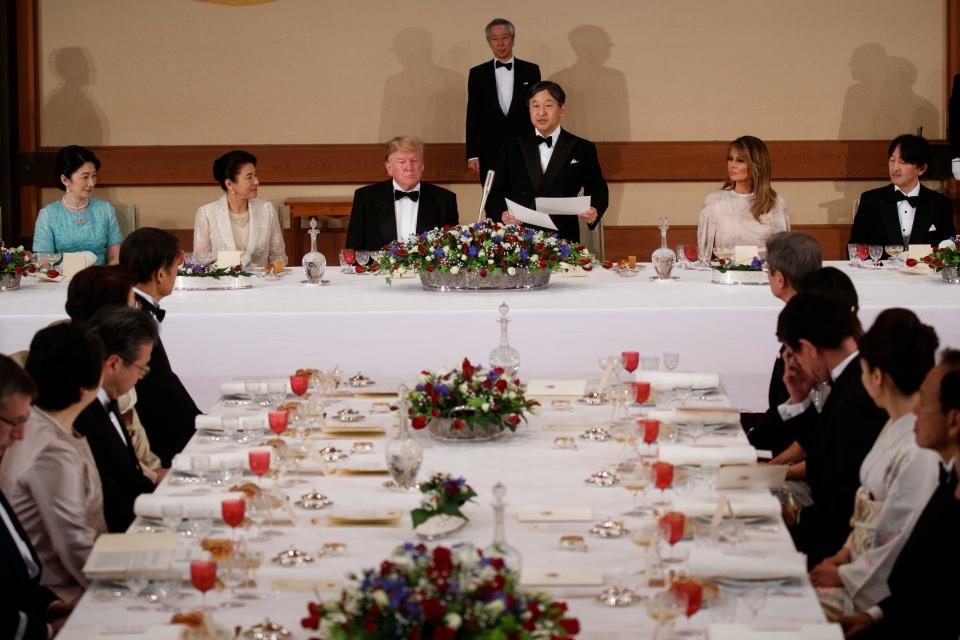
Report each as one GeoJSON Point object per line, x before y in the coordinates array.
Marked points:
{"type": "Point", "coordinates": [496, 98]}
{"type": "Point", "coordinates": [128, 337]}
{"type": "Point", "coordinates": [905, 212]}
{"type": "Point", "coordinates": [26, 608]}
{"type": "Point", "coordinates": [549, 162]}
{"type": "Point", "coordinates": [397, 208]}
{"type": "Point", "coordinates": [165, 407]}
{"type": "Point", "coordinates": [923, 581]}
{"type": "Point", "coordinates": [790, 258]}
{"type": "Point", "coordinates": [955, 127]}
{"type": "Point", "coordinates": [818, 334]}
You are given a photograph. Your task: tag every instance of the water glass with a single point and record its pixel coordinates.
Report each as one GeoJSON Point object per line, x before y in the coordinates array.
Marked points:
{"type": "Point", "coordinates": [852, 254]}
{"type": "Point", "coordinates": [670, 360]}
{"type": "Point", "coordinates": [681, 258]}
{"type": "Point", "coordinates": [876, 251]}
{"type": "Point", "coordinates": [650, 363]}
{"type": "Point", "coordinates": [754, 598]}
{"type": "Point", "coordinates": [172, 514]}
{"type": "Point", "coordinates": [724, 607]}
{"type": "Point", "coordinates": [231, 427]}
{"type": "Point", "coordinates": [363, 257]}
{"type": "Point", "coordinates": [276, 393]}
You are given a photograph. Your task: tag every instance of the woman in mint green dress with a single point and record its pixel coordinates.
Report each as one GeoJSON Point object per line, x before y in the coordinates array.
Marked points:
{"type": "Point", "coordinates": [78, 222]}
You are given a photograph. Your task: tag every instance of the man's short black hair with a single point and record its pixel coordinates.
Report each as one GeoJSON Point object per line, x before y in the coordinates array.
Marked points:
{"type": "Point", "coordinates": [914, 150]}
{"type": "Point", "coordinates": [556, 91]}
{"type": "Point", "coordinates": [148, 249]}
{"type": "Point", "coordinates": [823, 322]}
{"type": "Point", "coordinates": [65, 360]}
{"type": "Point", "coordinates": [14, 381]}
{"type": "Point", "coordinates": [123, 331]}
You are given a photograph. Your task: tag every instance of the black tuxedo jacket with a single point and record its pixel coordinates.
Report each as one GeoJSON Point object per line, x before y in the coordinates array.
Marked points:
{"type": "Point", "coordinates": [487, 126]}
{"type": "Point", "coordinates": [19, 593]}
{"type": "Point", "coordinates": [166, 410]}
{"type": "Point", "coordinates": [573, 166]}
{"type": "Point", "coordinates": [373, 218]}
{"type": "Point", "coordinates": [877, 221]}
{"type": "Point", "coordinates": [923, 582]}
{"type": "Point", "coordinates": [772, 433]}
{"type": "Point", "coordinates": [120, 472]}
{"type": "Point", "coordinates": [955, 118]}
{"type": "Point", "coordinates": [836, 442]}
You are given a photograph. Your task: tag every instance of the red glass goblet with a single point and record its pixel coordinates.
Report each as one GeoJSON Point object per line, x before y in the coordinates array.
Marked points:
{"type": "Point", "coordinates": [259, 463]}
{"type": "Point", "coordinates": [641, 393]}
{"type": "Point", "coordinates": [651, 429]}
{"type": "Point", "coordinates": [631, 359]}
{"type": "Point", "coordinates": [690, 252]}
{"type": "Point", "coordinates": [299, 384]}
{"type": "Point", "coordinates": [671, 531]}
{"type": "Point", "coordinates": [277, 421]}
{"type": "Point", "coordinates": [350, 256]}
{"type": "Point", "coordinates": [203, 575]}
{"type": "Point", "coordinates": [863, 251]}
{"type": "Point", "coordinates": [662, 473]}
{"type": "Point", "coordinates": [691, 592]}
{"type": "Point", "coordinates": [233, 511]}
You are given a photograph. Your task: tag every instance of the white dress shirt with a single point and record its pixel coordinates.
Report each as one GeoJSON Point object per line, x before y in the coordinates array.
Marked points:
{"type": "Point", "coordinates": [105, 401]}
{"type": "Point", "coordinates": [790, 410]}
{"type": "Point", "coordinates": [905, 212]}
{"type": "Point", "coordinates": [505, 84]}
{"type": "Point", "coordinates": [405, 210]}
{"type": "Point", "coordinates": [547, 152]}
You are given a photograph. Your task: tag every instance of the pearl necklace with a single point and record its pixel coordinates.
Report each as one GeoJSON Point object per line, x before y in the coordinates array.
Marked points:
{"type": "Point", "coordinates": [78, 219]}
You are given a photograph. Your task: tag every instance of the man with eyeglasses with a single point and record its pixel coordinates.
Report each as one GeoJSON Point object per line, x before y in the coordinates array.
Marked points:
{"type": "Point", "coordinates": [128, 337]}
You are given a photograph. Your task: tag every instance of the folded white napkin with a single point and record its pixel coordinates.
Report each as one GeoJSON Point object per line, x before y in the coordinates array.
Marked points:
{"type": "Point", "coordinates": [184, 461]}
{"type": "Point", "coordinates": [744, 504]}
{"type": "Point", "coordinates": [698, 416]}
{"type": "Point", "coordinates": [774, 631]}
{"type": "Point", "coordinates": [746, 565]}
{"type": "Point", "coordinates": [150, 505]}
{"type": "Point", "coordinates": [708, 454]}
{"type": "Point", "coordinates": [215, 423]}
{"type": "Point", "coordinates": [674, 379]}
{"type": "Point", "coordinates": [239, 387]}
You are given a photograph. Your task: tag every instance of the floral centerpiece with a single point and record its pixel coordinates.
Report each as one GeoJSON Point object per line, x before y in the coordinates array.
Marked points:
{"type": "Point", "coordinates": [200, 276]}
{"type": "Point", "coordinates": [198, 270]}
{"type": "Point", "coordinates": [755, 264]}
{"type": "Point", "coordinates": [485, 254]}
{"type": "Point", "coordinates": [439, 594]}
{"type": "Point", "coordinates": [945, 260]}
{"type": "Point", "coordinates": [468, 403]}
{"type": "Point", "coordinates": [442, 495]}
{"type": "Point", "coordinates": [731, 272]}
{"type": "Point", "coordinates": [15, 262]}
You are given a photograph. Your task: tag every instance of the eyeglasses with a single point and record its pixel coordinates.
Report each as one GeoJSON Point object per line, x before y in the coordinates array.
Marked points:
{"type": "Point", "coordinates": [143, 368]}
{"type": "Point", "coordinates": [16, 423]}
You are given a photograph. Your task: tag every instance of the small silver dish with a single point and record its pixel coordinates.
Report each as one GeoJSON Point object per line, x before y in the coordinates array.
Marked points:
{"type": "Point", "coordinates": [593, 398]}
{"type": "Point", "coordinates": [360, 380]}
{"type": "Point", "coordinates": [617, 596]}
{"type": "Point", "coordinates": [609, 529]}
{"type": "Point", "coordinates": [598, 434]}
{"type": "Point", "coordinates": [380, 407]}
{"type": "Point", "coordinates": [292, 557]}
{"type": "Point", "coordinates": [390, 484]}
{"type": "Point", "coordinates": [561, 405]}
{"type": "Point", "coordinates": [603, 479]}
{"type": "Point", "coordinates": [362, 447]}
{"type": "Point", "coordinates": [348, 415]}
{"type": "Point", "coordinates": [332, 454]}
{"type": "Point", "coordinates": [267, 630]}
{"type": "Point", "coordinates": [573, 543]}
{"type": "Point", "coordinates": [313, 500]}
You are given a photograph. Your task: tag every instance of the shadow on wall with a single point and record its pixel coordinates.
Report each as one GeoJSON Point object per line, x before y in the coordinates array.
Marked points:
{"type": "Point", "coordinates": [425, 99]}
{"type": "Point", "coordinates": [880, 105]}
{"type": "Point", "coordinates": [598, 107]}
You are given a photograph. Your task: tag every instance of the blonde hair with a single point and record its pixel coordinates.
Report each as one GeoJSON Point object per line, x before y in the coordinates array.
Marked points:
{"type": "Point", "coordinates": [404, 143]}
{"type": "Point", "coordinates": [758, 164]}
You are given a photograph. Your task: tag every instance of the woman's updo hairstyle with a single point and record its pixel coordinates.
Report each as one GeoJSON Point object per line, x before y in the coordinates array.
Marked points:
{"type": "Point", "coordinates": [228, 166]}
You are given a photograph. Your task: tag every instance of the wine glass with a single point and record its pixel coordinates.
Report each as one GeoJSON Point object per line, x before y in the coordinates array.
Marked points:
{"type": "Point", "coordinates": [203, 575]}
{"type": "Point", "coordinates": [650, 363]}
{"type": "Point", "coordinates": [251, 562]}
{"type": "Point", "coordinates": [681, 257]}
{"type": "Point", "coordinates": [232, 511]}
{"type": "Point", "coordinates": [852, 254]}
{"type": "Point", "coordinates": [641, 391]}
{"type": "Point", "coordinates": [754, 598]}
{"type": "Point", "coordinates": [231, 425]}
{"type": "Point", "coordinates": [670, 360]}
{"type": "Point", "coordinates": [651, 431]}
{"type": "Point", "coordinates": [671, 532]}
{"type": "Point", "coordinates": [232, 571]}
{"type": "Point", "coordinates": [723, 608]}
{"type": "Point", "coordinates": [276, 393]}
{"type": "Point", "coordinates": [258, 508]}
{"type": "Point", "coordinates": [636, 483]}
{"type": "Point", "coordinates": [259, 464]}
{"type": "Point", "coordinates": [695, 431]}
{"type": "Point", "coordinates": [662, 473]}
{"type": "Point", "coordinates": [347, 258]}
{"type": "Point", "coordinates": [725, 252]}
{"type": "Point", "coordinates": [630, 360]}
{"type": "Point", "coordinates": [663, 608]}
{"type": "Point", "coordinates": [298, 452]}
{"type": "Point", "coordinates": [299, 384]}
{"type": "Point", "coordinates": [172, 514]}
{"type": "Point", "coordinates": [691, 252]}
{"type": "Point", "coordinates": [278, 421]}
{"type": "Point", "coordinates": [705, 256]}
{"type": "Point", "coordinates": [690, 593]}
{"type": "Point", "coordinates": [363, 257]}
{"type": "Point", "coordinates": [256, 389]}
{"type": "Point", "coordinates": [876, 251]}
{"type": "Point", "coordinates": [894, 251]}
{"type": "Point", "coordinates": [136, 580]}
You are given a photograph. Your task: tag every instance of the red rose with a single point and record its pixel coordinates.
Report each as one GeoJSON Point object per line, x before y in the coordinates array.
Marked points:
{"type": "Point", "coordinates": [446, 227]}
{"type": "Point", "coordinates": [911, 262]}
{"type": "Point", "coordinates": [485, 384]}
{"type": "Point", "coordinates": [444, 633]}
{"type": "Point", "coordinates": [498, 371]}
{"type": "Point", "coordinates": [570, 625]}
{"type": "Point", "coordinates": [441, 559]}
{"type": "Point", "coordinates": [588, 267]}
{"type": "Point", "coordinates": [422, 249]}
{"type": "Point", "coordinates": [430, 268]}
{"type": "Point", "coordinates": [483, 273]}
{"type": "Point", "coordinates": [435, 412]}
{"type": "Point", "coordinates": [607, 265]}
{"type": "Point", "coordinates": [514, 419]}
{"type": "Point", "coordinates": [18, 270]}
{"type": "Point", "coordinates": [496, 563]}
{"type": "Point", "coordinates": [53, 273]}
{"type": "Point", "coordinates": [419, 422]}
{"type": "Point", "coordinates": [722, 261]}
{"type": "Point", "coordinates": [501, 384]}
{"type": "Point", "coordinates": [432, 609]}
{"type": "Point", "coordinates": [359, 268]}
{"type": "Point", "coordinates": [459, 424]}
{"type": "Point", "coordinates": [32, 268]}
{"type": "Point", "coordinates": [238, 268]}
{"type": "Point", "coordinates": [938, 263]}
{"type": "Point", "coordinates": [467, 368]}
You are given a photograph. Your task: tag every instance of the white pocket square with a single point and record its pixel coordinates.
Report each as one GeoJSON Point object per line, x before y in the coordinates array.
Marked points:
{"type": "Point", "coordinates": [933, 227]}
{"type": "Point", "coordinates": [574, 161]}
{"type": "Point", "coordinates": [525, 83]}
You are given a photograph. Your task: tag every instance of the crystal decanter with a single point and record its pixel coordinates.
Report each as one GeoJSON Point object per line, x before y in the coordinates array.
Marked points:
{"type": "Point", "coordinates": [314, 262]}
{"type": "Point", "coordinates": [664, 257]}
{"type": "Point", "coordinates": [505, 356]}
{"type": "Point", "coordinates": [404, 454]}
{"type": "Point", "coordinates": [500, 548]}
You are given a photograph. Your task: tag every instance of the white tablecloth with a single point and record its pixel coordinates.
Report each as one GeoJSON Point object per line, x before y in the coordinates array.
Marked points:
{"type": "Point", "coordinates": [361, 323]}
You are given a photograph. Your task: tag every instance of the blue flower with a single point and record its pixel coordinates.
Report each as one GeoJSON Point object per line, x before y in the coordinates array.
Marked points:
{"type": "Point", "coordinates": [473, 251]}
{"type": "Point", "coordinates": [438, 252]}
{"type": "Point", "coordinates": [756, 263]}
{"type": "Point", "coordinates": [419, 388]}
{"type": "Point", "coordinates": [528, 234]}
{"type": "Point", "coordinates": [565, 251]}
{"type": "Point", "coordinates": [524, 254]}
{"type": "Point", "coordinates": [442, 390]}
{"type": "Point", "coordinates": [497, 239]}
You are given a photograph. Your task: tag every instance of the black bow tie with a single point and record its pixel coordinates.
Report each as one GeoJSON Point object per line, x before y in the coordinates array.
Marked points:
{"type": "Point", "coordinates": [911, 200]}
{"type": "Point", "coordinates": [946, 476]}
{"type": "Point", "coordinates": [508, 65]}
{"type": "Point", "coordinates": [399, 195]}
{"type": "Point", "coordinates": [152, 309]}
{"type": "Point", "coordinates": [547, 141]}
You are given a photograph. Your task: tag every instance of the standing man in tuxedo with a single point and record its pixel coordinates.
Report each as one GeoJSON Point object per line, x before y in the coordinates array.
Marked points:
{"type": "Point", "coordinates": [955, 127]}
{"type": "Point", "coordinates": [548, 162]}
{"type": "Point", "coordinates": [164, 405]}
{"type": "Point", "coordinates": [128, 337]}
{"type": "Point", "coordinates": [923, 581]}
{"type": "Point", "coordinates": [26, 608]}
{"type": "Point", "coordinates": [397, 208]}
{"type": "Point", "coordinates": [904, 212]}
{"type": "Point", "coordinates": [496, 98]}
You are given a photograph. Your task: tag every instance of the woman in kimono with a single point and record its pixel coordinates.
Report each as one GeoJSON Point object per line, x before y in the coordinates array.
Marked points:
{"type": "Point", "coordinates": [897, 477]}
{"type": "Point", "coordinates": [238, 221]}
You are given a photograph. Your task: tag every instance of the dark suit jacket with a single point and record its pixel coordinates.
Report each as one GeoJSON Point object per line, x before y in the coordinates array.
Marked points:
{"type": "Point", "coordinates": [487, 126]}
{"type": "Point", "coordinates": [772, 433]}
{"type": "Point", "coordinates": [877, 221]}
{"type": "Point", "coordinates": [923, 581]}
{"type": "Point", "coordinates": [120, 472]}
{"type": "Point", "coordinates": [573, 165]}
{"type": "Point", "coordinates": [955, 118]}
{"type": "Point", "coordinates": [373, 218]}
{"type": "Point", "coordinates": [19, 593]}
{"type": "Point", "coordinates": [164, 405]}
{"type": "Point", "coordinates": [836, 445]}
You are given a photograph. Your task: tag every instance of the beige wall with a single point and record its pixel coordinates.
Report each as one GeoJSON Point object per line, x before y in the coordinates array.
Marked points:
{"type": "Point", "coordinates": [143, 72]}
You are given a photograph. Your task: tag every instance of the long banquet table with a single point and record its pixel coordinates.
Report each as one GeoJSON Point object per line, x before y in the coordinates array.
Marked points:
{"type": "Point", "coordinates": [537, 476]}
{"type": "Point", "coordinates": [361, 323]}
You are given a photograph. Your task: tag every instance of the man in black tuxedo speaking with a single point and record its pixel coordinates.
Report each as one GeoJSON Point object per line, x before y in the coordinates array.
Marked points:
{"type": "Point", "coordinates": [397, 208]}
{"type": "Point", "coordinates": [496, 98]}
{"type": "Point", "coordinates": [548, 162]}
{"type": "Point", "coordinates": [904, 212]}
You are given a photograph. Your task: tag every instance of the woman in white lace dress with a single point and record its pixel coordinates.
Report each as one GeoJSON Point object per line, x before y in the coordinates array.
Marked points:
{"type": "Point", "coordinates": [238, 221]}
{"type": "Point", "coordinates": [897, 477]}
{"type": "Point", "coordinates": [746, 211]}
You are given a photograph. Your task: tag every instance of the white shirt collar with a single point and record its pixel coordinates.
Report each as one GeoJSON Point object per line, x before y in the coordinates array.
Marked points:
{"type": "Point", "coordinates": [837, 370]}
{"type": "Point", "coordinates": [554, 135]}
{"type": "Point", "coordinates": [399, 188]}
{"type": "Point", "coordinates": [149, 297]}
{"type": "Point", "coordinates": [913, 192]}
{"type": "Point", "coordinates": [103, 397]}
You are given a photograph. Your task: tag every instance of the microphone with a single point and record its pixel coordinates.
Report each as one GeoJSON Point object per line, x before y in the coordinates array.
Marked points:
{"type": "Point", "coordinates": [487, 185]}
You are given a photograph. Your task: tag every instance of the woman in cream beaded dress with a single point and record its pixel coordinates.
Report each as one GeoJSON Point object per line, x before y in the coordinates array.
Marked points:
{"type": "Point", "coordinates": [238, 221]}
{"type": "Point", "coordinates": [897, 477]}
{"type": "Point", "coordinates": [746, 211]}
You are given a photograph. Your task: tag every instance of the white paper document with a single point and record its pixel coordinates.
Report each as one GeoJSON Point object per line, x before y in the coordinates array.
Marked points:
{"type": "Point", "coordinates": [529, 216]}
{"type": "Point", "coordinates": [563, 206]}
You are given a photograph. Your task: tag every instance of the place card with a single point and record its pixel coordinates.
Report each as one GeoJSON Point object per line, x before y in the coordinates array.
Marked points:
{"type": "Point", "coordinates": [917, 251]}
{"type": "Point", "coordinates": [72, 264]}
{"type": "Point", "coordinates": [573, 272]}
{"type": "Point", "coordinates": [114, 554]}
{"type": "Point", "coordinates": [358, 469]}
{"type": "Point", "coordinates": [755, 476]}
{"type": "Point", "coordinates": [366, 429]}
{"type": "Point", "coordinates": [227, 259]}
{"type": "Point", "coordinates": [561, 576]}
{"type": "Point", "coordinates": [560, 514]}
{"type": "Point", "coordinates": [305, 586]}
{"type": "Point", "coordinates": [566, 426]}
{"type": "Point", "coordinates": [744, 253]}
{"type": "Point", "coordinates": [365, 518]}
{"type": "Point", "coordinates": [574, 388]}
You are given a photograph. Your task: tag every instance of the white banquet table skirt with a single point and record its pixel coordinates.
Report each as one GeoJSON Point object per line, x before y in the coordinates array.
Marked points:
{"type": "Point", "coordinates": [363, 324]}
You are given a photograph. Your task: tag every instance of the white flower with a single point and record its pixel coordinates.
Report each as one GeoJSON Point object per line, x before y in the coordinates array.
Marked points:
{"type": "Point", "coordinates": [494, 607]}
{"type": "Point", "coordinates": [454, 269]}
{"type": "Point", "coordinates": [430, 258]}
{"type": "Point", "coordinates": [453, 620]}
{"type": "Point", "coordinates": [464, 387]}
{"type": "Point", "coordinates": [446, 249]}
{"type": "Point", "coordinates": [485, 406]}
{"type": "Point", "coordinates": [947, 244]}
{"type": "Point", "coordinates": [490, 261]}
{"type": "Point", "coordinates": [381, 598]}
{"type": "Point", "coordinates": [463, 257]}
{"type": "Point", "coordinates": [511, 271]}
{"type": "Point", "coordinates": [482, 254]}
